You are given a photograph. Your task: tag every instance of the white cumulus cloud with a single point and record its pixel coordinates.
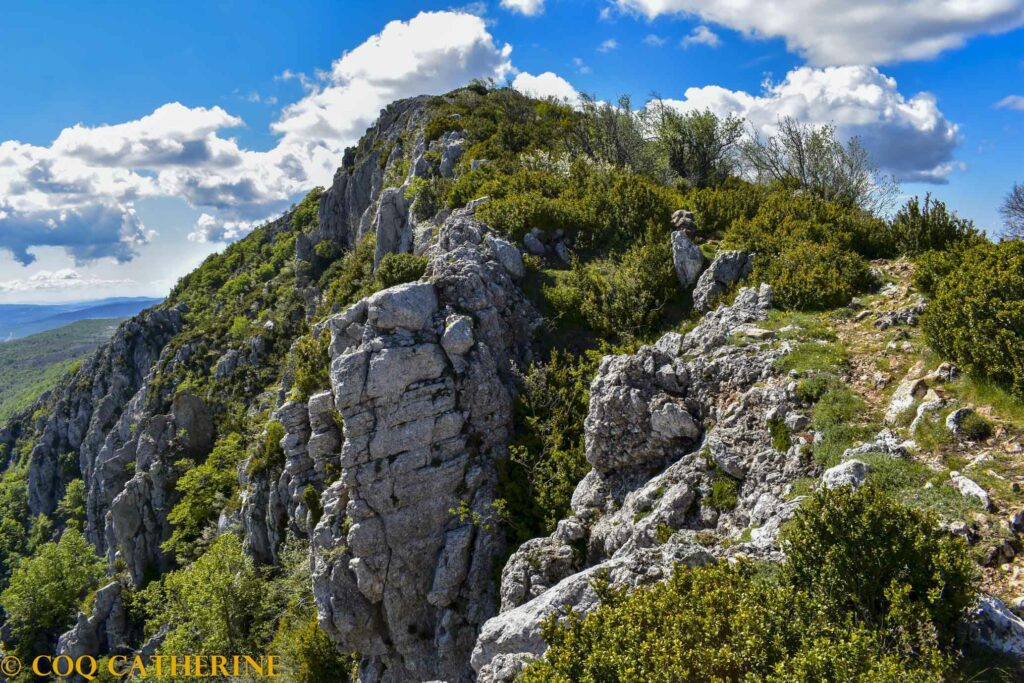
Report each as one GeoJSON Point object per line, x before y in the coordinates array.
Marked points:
{"type": "Point", "coordinates": [547, 84]}
{"type": "Point", "coordinates": [530, 8]}
{"type": "Point", "coordinates": [212, 229]}
{"type": "Point", "coordinates": [839, 32]}
{"type": "Point", "coordinates": [702, 35]}
{"type": "Point", "coordinates": [908, 137]}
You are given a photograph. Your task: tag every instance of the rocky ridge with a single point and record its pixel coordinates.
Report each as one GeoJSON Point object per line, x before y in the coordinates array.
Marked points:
{"type": "Point", "coordinates": [694, 442]}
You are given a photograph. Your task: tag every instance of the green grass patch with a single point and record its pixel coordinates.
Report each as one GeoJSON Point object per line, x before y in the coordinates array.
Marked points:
{"type": "Point", "coordinates": [812, 326]}
{"type": "Point", "coordinates": [813, 357]}
{"type": "Point", "coordinates": [781, 435]}
{"type": "Point", "coordinates": [724, 492]}
{"type": "Point", "coordinates": [931, 433]}
{"type": "Point", "coordinates": [984, 392]}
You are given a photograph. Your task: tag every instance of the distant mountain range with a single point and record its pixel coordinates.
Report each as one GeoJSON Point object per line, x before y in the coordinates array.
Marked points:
{"type": "Point", "coordinates": [19, 320]}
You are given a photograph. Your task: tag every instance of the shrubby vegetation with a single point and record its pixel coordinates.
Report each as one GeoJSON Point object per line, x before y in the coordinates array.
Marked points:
{"type": "Point", "coordinates": [870, 591]}
{"type": "Point", "coordinates": [224, 603]}
{"type": "Point", "coordinates": [45, 590]}
{"type": "Point", "coordinates": [976, 317]}
{"type": "Point", "coordinates": [547, 458]}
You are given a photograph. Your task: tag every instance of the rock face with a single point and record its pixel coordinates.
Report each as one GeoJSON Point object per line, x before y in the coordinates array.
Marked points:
{"type": "Point", "coordinates": [728, 268]}
{"type": "Point", "coordinates": [646, 504]}
{"type": "Point", "coordinates": [106, 629]}
{"type": "Point", "coordinates": [687, 259]}
{"type": "Point", "coordinates": [421, 374]}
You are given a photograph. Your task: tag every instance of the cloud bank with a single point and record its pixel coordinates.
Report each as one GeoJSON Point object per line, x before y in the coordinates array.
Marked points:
{"type": "Point", "coordinates": [839, 32]}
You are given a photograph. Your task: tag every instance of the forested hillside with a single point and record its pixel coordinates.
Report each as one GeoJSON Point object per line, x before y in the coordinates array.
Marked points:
{"type": "Point", "coordinates": [32, 365]}
{"type": "Point", "coordinates": [543, 393]}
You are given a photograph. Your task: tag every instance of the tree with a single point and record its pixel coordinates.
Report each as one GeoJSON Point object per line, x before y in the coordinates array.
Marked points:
{"type": "Point", "coordinates": [1012, 211]}
{"type": "Point", "coordinates": [217, 605]}
{"type": "Point", "coordinates": [611, 133]}
{"type": "Point", "coordinates": [923, 226]}
{"type": "Point", "coordinates": [699, 146]}
{"type": "Point", "coordinates": [810, 158]}
{"type": "Point", "coordinates": [46, 589]}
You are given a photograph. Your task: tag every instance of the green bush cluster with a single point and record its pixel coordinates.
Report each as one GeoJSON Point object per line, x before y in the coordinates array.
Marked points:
{"type": "Point", "coordinates": [619, 298]}
{"type": "Point", "coordinates": [546, 459]}
{"type": "Point", "coordinates": [397, 269]}
{"type": "Point", "coordinates": [268, 453]}
{"type": "Point", "coordinates": [919, 227]}
{"type": "Point", "coordinates": [310, 363]}
{"type": "Point", "coordinates": [205, 490]}
{"type": "Point", "coordinates": [602, 208]}
{"type": "Point", "coordinates": [976, 318]}
{"type": "Point", "coordinates": [224, 603]}
{"type": "Point", "coordinates": [870, 592]}
{"type": "Point", "coordinates": [812, 276]}
{"type": "Point", "coordinates": [45, 590]}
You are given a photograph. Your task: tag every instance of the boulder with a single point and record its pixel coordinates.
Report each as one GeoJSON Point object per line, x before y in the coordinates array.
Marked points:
{"type": "Point", "coordinates": [907, 393]}
{"type": "Point", "coordinates": [991, 624]}
{"type": "Point", "coordinates": [851, 473]}
{"type": "Point", "coordinates": [728, 268]}
{"type": "Point", "coordinates": [687, 259]}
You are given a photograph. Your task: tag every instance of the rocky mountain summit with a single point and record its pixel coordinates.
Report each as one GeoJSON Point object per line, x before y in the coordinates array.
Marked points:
{"type": "Point", "coordinates": [350, 380]}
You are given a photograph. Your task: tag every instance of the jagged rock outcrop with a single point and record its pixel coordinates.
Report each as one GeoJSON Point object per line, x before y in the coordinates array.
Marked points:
{"type": "Point", "coordinates": [647, 504]}
{"type": "Point", "coordinates": [422, 375]}
{"type": "Point", "coordinates": [687, 259]}
{"type": "Point", "coordinates": [728, 268]}
{"type": "Point", "coordinates": [106, 629]}
{"type": "Point", "coordinates": [347, 207]}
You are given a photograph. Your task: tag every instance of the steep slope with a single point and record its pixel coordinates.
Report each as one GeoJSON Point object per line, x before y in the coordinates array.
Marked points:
{"type": "Point", "coordinates": [339, 427]}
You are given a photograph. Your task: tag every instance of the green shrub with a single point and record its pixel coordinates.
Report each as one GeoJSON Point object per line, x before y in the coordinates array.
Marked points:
{"type": "Point", "coordinates": [781, 435]}
{"type": "Point", "coordinates": [976, 318]}
{"type": "Point", "coordinates": [931, 266]}
{"type": "Point", "coordinates": [217, 604]}
{"type": "Point", "coordinates": [860, 550]}
{"type": "Point", "coordinates": [310, 363]}
{"type": "Point", "coordinates": [603, 209]}
{"type": "Point", "coordinates": [306, 215]}
{"type": "Point", "coordinates": [351, 277]}
{"type": "Point", "coordinates": [547, 459]}
{"type": "Point", "coordinates": [397, 269]}
{"type": "Point", "coordinates": [784, 218]}
{"type": "Point", "coordinates": [204, 491]}
{"type": "Point", "coordinates": [809, 276]}
{"type": "Point", "coordinates": [975, 428]}
{"type": "Point", "coordinates": [715, 209]}
{"type": "Point", "coordinates": [869, 593]}
{"type": "Point", "coordinates": [269, 452]}
{"type": "Point", "coordinates": [45, 590]}
{"type": "Point", "coordinates": [71, 508]}
{"type": "Point", "coordinates": [724, 492]}
{"type": "Point", "coordinates": [619, 298]}
{"type": "Point", "coordinates": [919, 227]}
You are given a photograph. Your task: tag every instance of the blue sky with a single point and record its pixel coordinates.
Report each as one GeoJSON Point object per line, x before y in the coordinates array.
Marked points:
{"type": "Point", "coordinates": [137, 138]}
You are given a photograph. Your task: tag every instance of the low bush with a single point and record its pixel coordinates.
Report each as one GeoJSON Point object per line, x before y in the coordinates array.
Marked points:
{"type": "Point", "coordinates": [547, 460]}
{"type": "Point", "coordinates": [870, 592]}
{"type": "Point", "coordinates": [976, 318]}
{"type": "Point", "coordinates": [919, 227]}
{"type": "Point", "coordinates": [397, 269]}
{"type": "Point", "coordinates": [810, 276]}
{"type": "Point", "coordinates": [619, 298]}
